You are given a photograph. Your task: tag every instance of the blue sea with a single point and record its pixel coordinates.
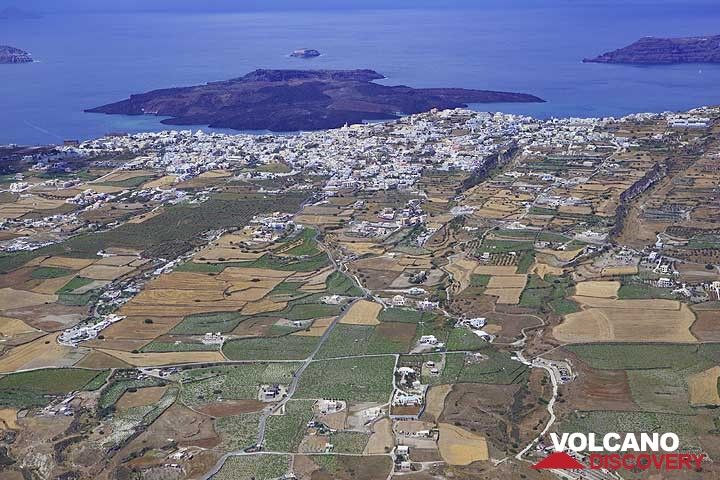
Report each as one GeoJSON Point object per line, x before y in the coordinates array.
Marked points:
{"type": "Point", "coordinates": [86, 60]}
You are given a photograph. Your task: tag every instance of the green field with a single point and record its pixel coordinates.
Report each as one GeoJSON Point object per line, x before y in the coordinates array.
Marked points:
{"type": "Point", "coordinates": [238, 432]}
{"type": "Point", "coordinates": [367, 379]}
{"type": "Point", "coordinates": [549, 294]}
{"type": "Point", "coordinates": [201, 323]}
{"type": "Point", "coordinates": [407, 315]}
{"type": "Point", "coordinates": [346, 340]}
{"type": "Point", "coordinates": [173, 232]}
{"type": "Point", "coordinates": [498, 368]}
{"type": "Point", "coordinates": [256, 467]}
{"type": "Point", "coordinates": [157, 346]}
{"type": "Point", "coordinates": [36, 388]}
{"type": "Point", "coordinates": [119, 385]}
{"type": "Point", "coordinates": [464, 339]}
{"type": "Point", "coordinates": [633, 291]}
{"type": "Point", "coordinates": [232, 382]}
{"type": "Point", "coordinates": [340, 284]}
{"type": "Point", "coordinates": [289, 347]}
{"type": "Point", "coordinates": [42, 273]}
{"type": "Point", "coordinates": [75, 283]}
{"type": "Point", "coordinates": [285, 432]}
{"type": "Point", "coordinates": [349, 442]}
{"type": "Point", "coordinates": [645, 355]}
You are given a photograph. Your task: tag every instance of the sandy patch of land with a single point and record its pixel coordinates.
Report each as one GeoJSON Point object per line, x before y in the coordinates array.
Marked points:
{"type": "Point", "coordinates": [627, 325]}
{"type": "Point", "coordinates": [141, 397]}
{"type": "Point", "coordinates": [506, 296]}
{"type": "Point", "coordinates": [598, 289]}
{"type": "Point", "coordinates": [52, 285]}
{"type": "Point", "coordinates": [10, 327]}
{"type": "Point", "coordinates": [362, 312]}
{"type": "Point", "coordinates": [507, 281]}
{"type": "Point", "coordinates": [382, 439]}
{"type": "Point", "coordinates": [494, 270]}
{"type": "Point", "coordinates": [613, 271]}
{"type": "Point", "coordinates": [162, 183]}
{"type": "Point", "coordinates": [461, 268]}
{"type": "Point", "coordinates": [435, 401]}
{"type": "Point", "coordinates": [8, 419]}
{"type": "Point", "coordinates": [460, 447]}
{"type": "Point", "coordinates": [317, 329]}
{"type": "Point", "coordinates": [12, 299]}
{"type": "Point", "coordinates": [104, 272]}
{"type": "Point", "coordinates": [703, 388]}
{"type": "Point", "coordinates": [42, 352]}
{"type": "Point", "coordinates": [263, 306]}
{"type": "Point", "coordinates": [164, 358]}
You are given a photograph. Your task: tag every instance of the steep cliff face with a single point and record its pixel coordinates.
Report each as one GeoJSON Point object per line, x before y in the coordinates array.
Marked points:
{"type": "Point", "coordinates": [14, 55]}
{"type": "Point", "coordinates": [665, 51]}
{"type": "Point", "coordinates": [291, 100]}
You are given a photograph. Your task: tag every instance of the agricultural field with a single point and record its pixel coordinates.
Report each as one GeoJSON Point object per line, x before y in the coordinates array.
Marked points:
{"type": "Point", "coordinates": [297, 306]}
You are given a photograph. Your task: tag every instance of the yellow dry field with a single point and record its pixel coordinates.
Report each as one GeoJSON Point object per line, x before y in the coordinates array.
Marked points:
{"type": "Point", "coordinates": [8, 419]}
{"type": "Point", "coordinates": [506, 296]}
{"type": "Point", "coordinates": [461, 268]}
{"type": "Point", "coordinates": [104, 272]}
{"type": "Point", "coordinates": [613, 271]}
{"type": "Point", "coordinates": [237, 273]}
{"type": "Point", "coordinates": [387, 264]}
{"type": "Point", "coordinates": [117, 260]}
{"type": "Point", "coordinates": [263, 306]}
{"type": "Point", "coordinates": [507, 281]}
{"type": "Point", "coordinates": [494, 270]}
{"type": "Point", "coordinates": [27, 204]}
{"type": "Point", "coordinates": [579, 210]}
{"type": "Point", "coordinates": [162, 183]}
{"type": "Point", "coordinates": [627, 325]}
{"type": "Point", "coordinates": [9, 327]}
{"type": "Point", "coordinates": [435, 401]}
{"type": "Point", "coordinates": [362, 312]}
{"type": "Point", "coordinates": [216, 174]}
{"type": "Point", "coordinates": [654, 304]}
{"type": "Point", "coordinates": [11, 299]}
{"type": "Point", "coordinates": [122, 175]}
{"type": "Point", "coordinates": [363, 248]}
{"type": "Point", "coordinates": [460, 447]}
{"type": "Point", "coordinates": [598, 289]}
{"type": "Point", "coordinates": [136, 329]}
{"type": "Point", "coordinates": [218, 254]}
{"type": "Point", "coordinates": [382, 438]}
{"type": "Point", "coordinates": [317, 282]}
{"type": "Point", "coordinates": [318, 219]}
{"type": "Point", "coordinates": [317, 329]}
{"type": "Point", "coordinates": [703, 388]}
{"type": "Point", "coordinates": [563, 255]}
{"type": "Point", "coordinates": [67, 262]}
{"type": "Point", "coordinates": [42, 352]}
{"type": "Point", "coordinates": [146, 216]}
{"type": "Point", "coordinates": [164, 358]}
{"type": "Point", "coordinates": [141, 397]}
{"type": "Point", "coordinates": [106, 188]}
{"type": "Point", "coordinates": [541, 269]}
{"type": "Point", "coordinates": [52, 285]}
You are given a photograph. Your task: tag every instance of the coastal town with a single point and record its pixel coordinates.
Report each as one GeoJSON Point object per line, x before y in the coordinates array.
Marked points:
{"type": "Point", "coordinates": [417, 299]}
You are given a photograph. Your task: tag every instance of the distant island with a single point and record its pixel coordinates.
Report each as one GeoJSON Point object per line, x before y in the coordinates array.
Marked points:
{"type": "Point", "coordinates": [292, 100]}
{"type": "Point", "coordinates": [14, 55]}
{"type": "Point", "coordinates": [14, 13]}
{"type": "Point", "coordinates": [664, 51]}
{"type": "Point", "coordinates": [305, 53]}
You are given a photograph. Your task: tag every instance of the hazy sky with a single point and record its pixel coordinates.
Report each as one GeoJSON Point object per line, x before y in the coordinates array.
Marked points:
{"type": "Point", "coordinates": [54, 6]}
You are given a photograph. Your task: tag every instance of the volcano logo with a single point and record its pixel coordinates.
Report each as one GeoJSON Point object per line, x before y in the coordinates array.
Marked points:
{"type": "Point", "coordinates": [558, 460]}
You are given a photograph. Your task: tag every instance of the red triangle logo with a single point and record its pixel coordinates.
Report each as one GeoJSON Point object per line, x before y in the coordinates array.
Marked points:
{"type": "Point", "coordinates": [560, 461]}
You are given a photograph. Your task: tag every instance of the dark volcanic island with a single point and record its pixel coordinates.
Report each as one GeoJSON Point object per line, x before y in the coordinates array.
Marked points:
{"type": "Point", "coordinates": [291, 100]}
{"type": "Point", "coordinates": [14, 55]}
{"type": "Point", "coordinates": [665, 51]}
